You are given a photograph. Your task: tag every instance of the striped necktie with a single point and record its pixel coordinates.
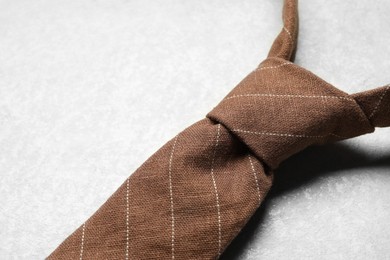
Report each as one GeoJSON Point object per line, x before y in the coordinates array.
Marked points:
{"type": "Point", "coordinates": [193, 196]}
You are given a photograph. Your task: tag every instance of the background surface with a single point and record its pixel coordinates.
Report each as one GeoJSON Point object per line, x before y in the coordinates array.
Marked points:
{"type": "Point", "coordinates": [89, 89]}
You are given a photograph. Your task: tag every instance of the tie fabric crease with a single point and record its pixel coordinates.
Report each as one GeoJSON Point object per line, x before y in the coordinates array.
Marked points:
{"type": "Point", "coordinates": [192, 197]}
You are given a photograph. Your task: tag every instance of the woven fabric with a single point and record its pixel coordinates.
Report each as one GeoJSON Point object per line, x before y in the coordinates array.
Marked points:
{"type": "Point", "coordinates": [193, 196]}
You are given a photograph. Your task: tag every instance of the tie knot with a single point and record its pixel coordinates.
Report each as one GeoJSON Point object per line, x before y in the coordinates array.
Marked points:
{"type": "Point", "coordinates": [280, 108]}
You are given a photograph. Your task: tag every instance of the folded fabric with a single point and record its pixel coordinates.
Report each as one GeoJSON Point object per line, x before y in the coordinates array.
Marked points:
{"type": "Point", "coordinates": [193, 196]}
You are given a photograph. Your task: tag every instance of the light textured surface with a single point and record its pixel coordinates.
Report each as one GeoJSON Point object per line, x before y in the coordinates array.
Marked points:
{"type": "Point", "coordinates": [90, 89]}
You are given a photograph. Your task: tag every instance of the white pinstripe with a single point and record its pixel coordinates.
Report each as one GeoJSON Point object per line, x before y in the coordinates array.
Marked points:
{"type": "Point", "coordinates": [288, 32]}
{"type": "Point", "coordinates": [255, 175]}
{"type": "Point", "coordinates": [285, 135]}
{"type": "Point", "coordinates": [288, 96]}
{"type": "Point", "coordinates": [273, 67]}
{"type": "Point", "coordinates": [82, 243]}
{"type": "Point", "coordinates": [216, 190]}
{"type": "Point", "coordinates": [171, 199]}
{"type": "Point", "coordinates": [127, 219]}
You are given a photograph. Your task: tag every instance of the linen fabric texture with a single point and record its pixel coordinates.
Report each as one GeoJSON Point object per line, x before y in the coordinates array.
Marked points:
{"type": "Point", "coordinates": [192, 197]}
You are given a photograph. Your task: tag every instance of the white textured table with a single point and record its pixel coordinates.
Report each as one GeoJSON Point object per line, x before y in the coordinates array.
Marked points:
{"type": "Point", "coordinates": [89, 89]}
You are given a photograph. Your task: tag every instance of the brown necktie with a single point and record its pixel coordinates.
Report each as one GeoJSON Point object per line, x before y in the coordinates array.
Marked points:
{"type": "Point", "coordinates": [193, 196]}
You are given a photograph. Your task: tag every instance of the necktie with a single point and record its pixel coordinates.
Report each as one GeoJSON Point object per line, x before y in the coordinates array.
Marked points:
{"type": "Point", "coordinates": [193, 196]}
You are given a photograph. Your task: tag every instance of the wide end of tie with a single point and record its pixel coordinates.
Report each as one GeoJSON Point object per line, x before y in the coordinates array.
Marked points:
{"type": "Point", "coordinates": [187, 201]}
